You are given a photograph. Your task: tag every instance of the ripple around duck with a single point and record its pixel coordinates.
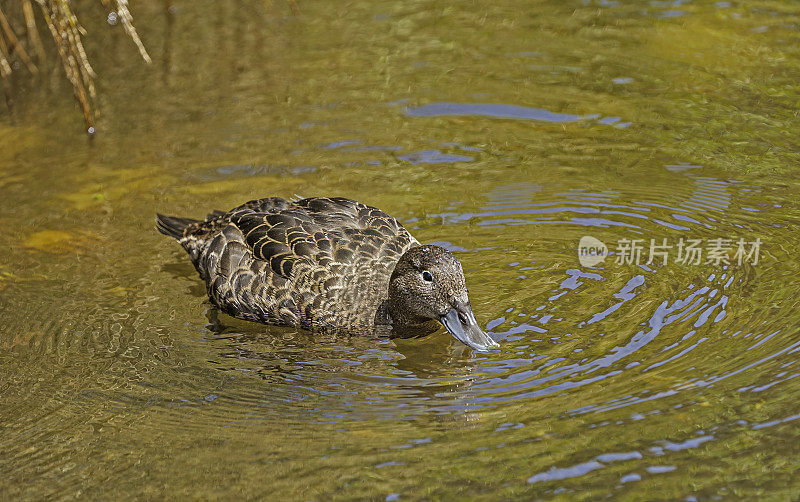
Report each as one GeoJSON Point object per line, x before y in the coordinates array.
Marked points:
{"type": "Point", "coordinates": [591, 329]}
{"type": "Point", "coordinates": [680, 329]}
{"type": "Point", "coordinates": [622, 341]}
{"type": "Point", "coordinates": [700, 202]}
{"type": "Point", "coordinates": [314, 378]}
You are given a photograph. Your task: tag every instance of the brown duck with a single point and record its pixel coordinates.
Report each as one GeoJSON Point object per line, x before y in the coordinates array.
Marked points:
{"type": "Point", "coordinates": [326, 263]}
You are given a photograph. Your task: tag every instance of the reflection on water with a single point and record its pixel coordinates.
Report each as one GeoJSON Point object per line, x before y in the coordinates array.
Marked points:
{"type": "Point", "coordinates": [626, 378]}
{"type": "Point", "coordinates": [505, 111]}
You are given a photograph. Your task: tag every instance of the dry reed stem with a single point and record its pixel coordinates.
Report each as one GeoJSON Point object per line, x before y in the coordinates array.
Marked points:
{"type": "Point", "coordinates": [33, 33]}
{"type": "Point", "coordinates": [64, 34]}
{"type": "Point", "coordinates": [67, 35]}
{"type": "Point", "coordinates": [5, 67]}
{"type": "Point", "coordinates": [14, 45]}
{"type": "Point", "coordinates": [127, 22]}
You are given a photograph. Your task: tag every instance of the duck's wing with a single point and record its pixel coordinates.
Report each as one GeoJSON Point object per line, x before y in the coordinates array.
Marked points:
{"type": "Point", "coordinates": [298, 262]}
{"type": "Point", "coordinates": [358, 231]}
{"type": "Point", "coordinates": [318, 233]}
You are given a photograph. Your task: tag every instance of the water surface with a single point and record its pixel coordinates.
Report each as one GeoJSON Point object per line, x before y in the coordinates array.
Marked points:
{"type": "Point", "coordinates": [505, 133]}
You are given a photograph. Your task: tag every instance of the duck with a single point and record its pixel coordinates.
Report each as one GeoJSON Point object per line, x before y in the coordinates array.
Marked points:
{"type": "Point", "coordinates": [327, 263]}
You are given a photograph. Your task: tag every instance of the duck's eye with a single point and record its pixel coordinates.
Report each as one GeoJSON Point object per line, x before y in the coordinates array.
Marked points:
{"type": "Point", "coordinates": [427, 276]}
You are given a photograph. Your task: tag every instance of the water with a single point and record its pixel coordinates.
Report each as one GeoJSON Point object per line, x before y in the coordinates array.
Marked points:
{"type": "Point", "coordinates": [505, 133]}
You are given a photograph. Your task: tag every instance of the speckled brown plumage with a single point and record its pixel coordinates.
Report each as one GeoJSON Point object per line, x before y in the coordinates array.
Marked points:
{"type": "Point", "coordinates": [325, 263]}
{"type": "Point", "coordinates": [298, 263]}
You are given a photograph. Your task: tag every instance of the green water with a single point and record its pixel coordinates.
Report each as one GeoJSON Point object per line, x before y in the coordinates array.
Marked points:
{"type": "Point", "coordinates": [504, 132]}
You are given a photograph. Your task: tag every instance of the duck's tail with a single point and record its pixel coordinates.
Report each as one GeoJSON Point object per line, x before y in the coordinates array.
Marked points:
{"type": "Point", "coordinates": [173, 226]}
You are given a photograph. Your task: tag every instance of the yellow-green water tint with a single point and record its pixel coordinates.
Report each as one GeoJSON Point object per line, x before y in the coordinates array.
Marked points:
{"type": "Point", "coordinates": [506, 132]}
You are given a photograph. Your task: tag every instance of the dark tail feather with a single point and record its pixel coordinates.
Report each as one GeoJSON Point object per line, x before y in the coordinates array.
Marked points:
{"type": "Point", "coordinates": [172, 226]}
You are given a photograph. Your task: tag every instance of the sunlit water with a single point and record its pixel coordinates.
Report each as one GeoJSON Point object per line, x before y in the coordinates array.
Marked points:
{"type": "Point", "coordinates": [503, 133]}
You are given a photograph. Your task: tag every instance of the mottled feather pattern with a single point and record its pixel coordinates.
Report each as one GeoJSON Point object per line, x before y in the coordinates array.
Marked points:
{"type": "Point", "coordinates": [306, 263]}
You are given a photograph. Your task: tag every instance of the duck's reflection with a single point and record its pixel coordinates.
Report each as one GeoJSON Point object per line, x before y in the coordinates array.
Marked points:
{"type": "Point", "coordinates": [350, 374]}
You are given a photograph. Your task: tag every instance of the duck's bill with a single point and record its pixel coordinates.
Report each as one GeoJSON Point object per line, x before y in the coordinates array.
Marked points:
{"type": "Point", "coordinates": [461, 323]}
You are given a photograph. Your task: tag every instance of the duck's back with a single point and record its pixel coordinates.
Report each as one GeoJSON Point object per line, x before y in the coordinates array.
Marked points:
{"type": "Point", "coordinates": [311, 263]}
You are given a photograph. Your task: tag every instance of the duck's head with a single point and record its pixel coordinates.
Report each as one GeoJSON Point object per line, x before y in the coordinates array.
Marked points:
{"type": "Point", "coordinates": [428, 284]}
